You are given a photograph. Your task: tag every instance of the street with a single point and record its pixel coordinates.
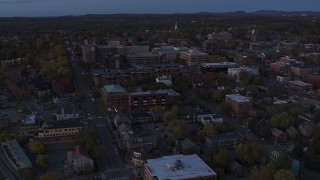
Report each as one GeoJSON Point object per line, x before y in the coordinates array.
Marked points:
{"type": "Point", "coordinates": [108, 159]}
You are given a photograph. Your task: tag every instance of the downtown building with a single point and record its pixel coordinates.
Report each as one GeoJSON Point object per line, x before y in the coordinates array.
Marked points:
{"type": "Point", "coordinates": [116, 97]}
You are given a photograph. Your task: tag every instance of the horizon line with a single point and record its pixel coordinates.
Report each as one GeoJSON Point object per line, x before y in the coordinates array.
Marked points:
{"type": "Point", "coordinates": [174, 13]}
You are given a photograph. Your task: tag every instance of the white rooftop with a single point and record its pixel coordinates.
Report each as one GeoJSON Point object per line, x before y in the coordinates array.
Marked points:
{"type": "Point", "coordinates": [238, 97]}
{"type": "Point", "coordinates": [29, 119]}
{"type": "Point", "coordinates": [179, 167]}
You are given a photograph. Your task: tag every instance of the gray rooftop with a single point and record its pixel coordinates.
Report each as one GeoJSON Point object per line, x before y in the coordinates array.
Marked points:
{"type": "Point", "coordinates": [179, 167]}
{"type": "Point", "coordinates": [17, 153]}
{"type": "Point", "coordinates": [238, 98]}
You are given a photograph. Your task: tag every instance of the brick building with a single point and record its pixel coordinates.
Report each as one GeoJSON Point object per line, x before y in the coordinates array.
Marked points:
{"type": "Point", "coordinates": [240, 105]}
{"type": "Point", "coordinates": [246, 58]}
{"type": "Point", "coordinates": [147, 99]}
{"type": "Point", "coordinates": [114, 96]}
{"type": "Point", "coordinates": [314, 80]}
{"type": "Point", "coordinates": [278, 136]}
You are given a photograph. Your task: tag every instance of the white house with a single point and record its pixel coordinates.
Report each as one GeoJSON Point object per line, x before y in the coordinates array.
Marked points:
{"type": "Point", "coordinates": [209, 118]}
{"type": "Point", "coordinates": [166, 79]}
{"type": "Point", "coordinates": [80, 160]}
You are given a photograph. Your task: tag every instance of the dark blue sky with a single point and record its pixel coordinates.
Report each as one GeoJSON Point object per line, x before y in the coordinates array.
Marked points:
{"type": "Point", "coordinates": [78, 7]}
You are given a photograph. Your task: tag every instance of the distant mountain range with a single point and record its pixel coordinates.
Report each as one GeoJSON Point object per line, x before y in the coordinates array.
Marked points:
{"type": "Point", "coordinates": [286, 13]}
{"type": "Point", "coordinates": [267, 13]}
{"type": "Point", "coordinates": [236, 13]}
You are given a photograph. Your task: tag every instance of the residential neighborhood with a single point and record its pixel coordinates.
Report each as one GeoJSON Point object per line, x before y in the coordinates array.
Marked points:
{"type": "Point", "coordinates": [177, 96]}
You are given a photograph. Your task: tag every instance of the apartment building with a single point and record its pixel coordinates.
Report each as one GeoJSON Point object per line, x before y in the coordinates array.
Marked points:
{"type": "Point", "coordinates": [240, 105]}
{"type": "Point", "coordinates": [147, 99]}
{"type": "Point", "coordinates": [229, 140]}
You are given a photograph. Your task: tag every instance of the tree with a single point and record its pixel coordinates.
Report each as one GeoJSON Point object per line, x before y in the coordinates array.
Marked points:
{"type": "Point", "coordinates": [43, 160]}
{"type": "Point", "coordinates": [23, 140]}
{"type": "Point", "coordinates": [282, 162]}
{"type": "Point", "coordinates": [295, 112]}
{"type": "Point", "coordinates": [317, 115]}
{"type": "Point", "coordinates": [171, 115]}
{"type": "Point", "coordinates": [179, 128]}
{"type": "Point", "coordinates": [225, 109]}
{"type": "Point", "coordinates": [261, 174]}
{"type": "Point", "coordinates": [282, 120]}
{"type": "Point", "coordinates": [48, 176]}
{"type": "Point", "coordinates": [87, 138]}
{"type": "Point", "coordinates": [217, 96]}
{"type": "Point", "coordinates": [222, 159]}
{"type": "Point", "coordinates": [37, 147]}
{"type": "Point", "coordinates": [284, 175]}
{"type": "Point", "coordinates": [192, 101]}
{"type": "Point", "coordinates": [210, 130]}
{"type": "Point", "coordinates": [250, 154]}
{"type": "Point", "coordinates": [79, 96]}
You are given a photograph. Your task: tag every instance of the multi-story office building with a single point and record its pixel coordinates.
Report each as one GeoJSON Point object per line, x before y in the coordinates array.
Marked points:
{"type": "Point", "coordinates": [143, 58]}
{"type": "Point", "coordinates": [147, 99]}
{"type": "Point", "coordinates": [114, 96]}
{"type": "Point", "coordinates": [194, 57]}
{"type": "Point", "coordinates": [240, 105]}
{"type": "Point", "coordinates": [135, 49]}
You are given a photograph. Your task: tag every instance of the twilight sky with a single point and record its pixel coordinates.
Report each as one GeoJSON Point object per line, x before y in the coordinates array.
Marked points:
{"type": "Point", "coordinates": [79, 7]}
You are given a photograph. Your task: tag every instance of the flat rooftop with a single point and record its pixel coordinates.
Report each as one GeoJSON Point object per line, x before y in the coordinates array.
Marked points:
{"type": "Point", "coordinates": [114, 89]}
{"type": "Point", "coordinates": [18, 154]}
{"type": "Point", "coordinates": [299, 83]}
{"type": "Point", "coordinates": [179, 167]}
{"type": "Point", "coordinates": [238, 98]}
{"type": "Point", "coordinates": [219, 64]}
{"type": "Point", "coordinates": [29, 119]}
{"type": "Point", "coordinates": [194, 52]}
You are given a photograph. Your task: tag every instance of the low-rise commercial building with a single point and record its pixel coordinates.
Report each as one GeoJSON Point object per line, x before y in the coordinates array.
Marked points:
{"type": "Point", "coordinates": [60, 131]}
{"type": "Point", "coordinates": [182, 167]}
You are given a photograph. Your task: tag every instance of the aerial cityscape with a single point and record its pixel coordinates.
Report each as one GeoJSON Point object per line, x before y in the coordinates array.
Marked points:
{"type": "Point", "coordinates": [120, 91]}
